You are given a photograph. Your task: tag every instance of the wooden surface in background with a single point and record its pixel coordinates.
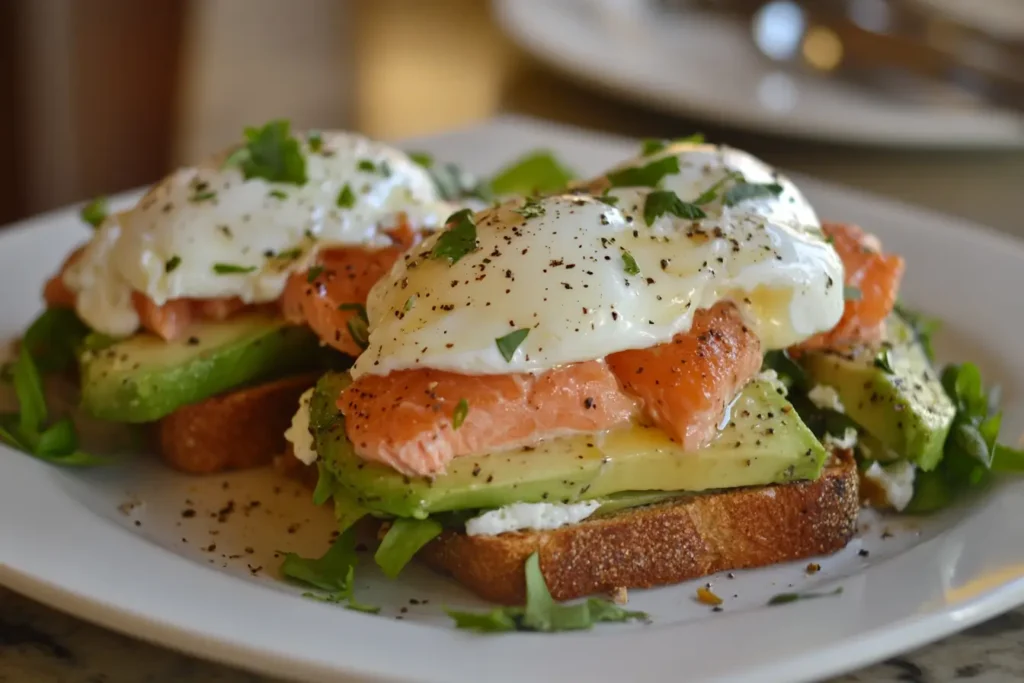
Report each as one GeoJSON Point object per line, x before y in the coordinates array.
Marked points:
{"type": "Point", "coordinates": [11, 180]}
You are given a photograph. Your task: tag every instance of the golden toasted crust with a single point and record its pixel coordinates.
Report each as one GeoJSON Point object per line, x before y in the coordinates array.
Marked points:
{"type": "Point", "coordinates": [661, 544]}
{"type": "Point", "coordinates": [232, 431]}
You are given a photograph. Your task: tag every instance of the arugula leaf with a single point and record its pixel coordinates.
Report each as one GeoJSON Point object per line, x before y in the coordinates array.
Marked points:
{"type": "Point", "coordinates": [1006, 459]}
{"type": "Point", "coordinates": [644, 176]}
{"type": "Point", "coordinates": [402, 541]}
{"type": "Point", "coordinates": [508, 344]}
{"type": "Point", "coordinates": [332, 572]}
{"type": "Point", "coordinates": [458, 239]}
{"type": "Point", "coordinates": [661, 202]}
{"type": "Point", "coordinates": [461, 411]}
{"type": "Point", "coordinates": [28, 386]}
{"type": "Point", "coordinates": [325, 484]}
{"type": "Point", "coordinates": [95, 212]}
{"type": "Point", "coordinates": [536, 173]}
{"type": "Point", "coordinates": [924, 328]}
{"type": "Point", "coordinates": [786, 598]}
{"type": "Point", "coordinates": [57, 439]}
{"type": "Point", "coordinates": [541, 612]}
{"type": "Point", "coordinates": [788, 370]}
{"type": "Point", "coordinates": [271, 153]}
{"type": "Point", "coordinates": [53, 339]}
{"type": "Point", "coordinates": [742, 192]}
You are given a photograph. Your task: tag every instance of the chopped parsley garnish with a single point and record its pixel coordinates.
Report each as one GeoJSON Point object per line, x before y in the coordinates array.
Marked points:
{"type": "Point", "coordinates": [644, 176]}
{"type": "Point", "coordinates": [231, 268]}
{"type": "Point", "coordinates": [741, 192]}
{"type": "Point", "coordinates": [289, 254]}
{"type": "Point", "coordinates": [786, 598]}
{"type": "Point", "coordinates": [709, 195]}
{"type": "Point", "coordinates": [421, 159]}
{"type": "Point", "coordinates": [851, 293]}
{"type": "Point", "coordinates": [333, 573]}
{"type": "Point", "coordinates": [203, 196]}
{"type": "Point", "coordinates": [536, 173]}
{"type": "Point", "coordinates": [661, 202]}
{"type": "Point", "coordinates": [313, 273]}
{"type": "Point", "coordinates": [271, 153]}
{"type": "Point", "coordinates": [172, 263]}
{"type": "Point", "coordinates": [278, 194]}
{"type": "Point", "coordinates": [95, 212]}
{"type": "Point", "coordinates": [453, 183]}
{"type": "Point", "coordinates": [629, 263]}
{"type": "Point", "coordinates": [367, 165]}
{"type": "Point", "coordinates": [409, 303]}
{"type": "Point", "coordinates": [315, 141]}
{"type": "Point", "coordinates": [346, 198]}
{"type": "Point", "coordinates": [508, 344]}
{"type": "Point", "coordinates": [883, 361]}
{"type": "Point", "coordinates": [530, 209]}
{"type": "Point", "coordinates": [459, 239]}
{"type": "Point", "coordinates": [609, 199]}
{"type": "Point", "coordinates": [461, 411]}
{"type": "Point", "coordinates": [358, 325]}
{"type": "Point", "coordinates": [541, 612]}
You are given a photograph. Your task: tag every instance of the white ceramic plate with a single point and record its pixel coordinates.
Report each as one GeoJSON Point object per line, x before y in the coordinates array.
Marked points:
{"type": "Point", "coordinates": [708, 68]}
{"type": "Point", "coordinates": [113, 545]}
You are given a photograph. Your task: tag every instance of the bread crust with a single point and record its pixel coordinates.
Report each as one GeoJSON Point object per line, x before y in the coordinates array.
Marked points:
{"type": "Point", "coordinates": [233, 431]}
{"type": "Point", "coordinates": [661, 544]}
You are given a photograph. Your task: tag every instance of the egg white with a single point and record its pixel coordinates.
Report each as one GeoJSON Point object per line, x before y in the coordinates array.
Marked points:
{"type": "Point", "coordinates": [168, 246]}
{"type": "Point", "coordinates": [562, 274]}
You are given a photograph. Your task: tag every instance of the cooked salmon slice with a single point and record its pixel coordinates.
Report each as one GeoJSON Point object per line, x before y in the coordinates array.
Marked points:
{"type": "Point", "coordinates": [407, 419]}
{"type": "Point", "coordinates": [685, 385]}
{"type": "Point", "coordinates": [872, 279]}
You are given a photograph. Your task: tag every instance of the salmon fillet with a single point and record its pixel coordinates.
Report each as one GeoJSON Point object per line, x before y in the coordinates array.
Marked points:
{"type": "Point", "coordinates": [405, 419]}
{"type": "Point", "coordinates": [874, 278]}
{"type": "Point", "coordinates": [686, 384]}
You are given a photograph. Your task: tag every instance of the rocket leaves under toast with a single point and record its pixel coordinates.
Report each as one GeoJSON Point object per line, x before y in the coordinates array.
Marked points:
{"type": "Point", "coordinates": [332, 574]}
{"type": "Point", "coordinates": [541, 612]}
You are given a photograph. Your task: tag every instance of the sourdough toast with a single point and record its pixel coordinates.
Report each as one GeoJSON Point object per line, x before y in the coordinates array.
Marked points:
{"type": "Point", "coordinates": [662, 544]}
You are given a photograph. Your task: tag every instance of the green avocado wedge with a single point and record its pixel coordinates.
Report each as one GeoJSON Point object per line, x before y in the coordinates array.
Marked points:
{"type": "Point", "coordinates": [895, 396]}
{"type": "Point", "coordinates": [144, 378]}
{"type": "Point", "coordinates": [763, 442]}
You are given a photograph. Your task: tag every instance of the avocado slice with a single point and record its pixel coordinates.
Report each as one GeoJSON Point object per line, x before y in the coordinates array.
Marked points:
{"type": "Point", "coordinates": [905, 412]}
{"type": "Point", "coordinates": [143, 378]}
{"type": "Point", "coordinates": [763, 442]}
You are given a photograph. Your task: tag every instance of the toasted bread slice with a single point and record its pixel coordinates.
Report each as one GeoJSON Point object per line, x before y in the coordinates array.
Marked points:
{"type": "Point", "coordinates": [661, 544]}
{"type": "Point", "coordinates": [232, 431]}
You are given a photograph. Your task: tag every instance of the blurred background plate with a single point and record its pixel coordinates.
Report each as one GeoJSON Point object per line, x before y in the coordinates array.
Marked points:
{"type": "Point", "coordinates": [693, 63]}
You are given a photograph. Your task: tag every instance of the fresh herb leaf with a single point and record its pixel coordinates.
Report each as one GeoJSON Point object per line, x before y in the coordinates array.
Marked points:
{"type": "Point", "coordinates": [97, 341]}
{"type": "Point", "coordinates": [654, 145]}
{"type": "Point", "coordinates": [172, 263]}
{"type": "Point", "coordinates": [661, 202]}
{"type": "Point", "coordinates": [924, 328]}
{"type": "Point", "coordinates": [644, 176]}
{"type": "Point", "coordinates": [629, 263]}
{"type": "Point", "coordinates": [709, 195]}
{"type": "Point", "coordinates": [508, 344]}
{"type": "Point", "coordinates": [28, 387]}
{"type": "Point", "coordinates": [289, 254]}
{"type": "Point", "coordinates": [231, 268]}
{"type": "Point", "coordinates": [1006, 459]}
{"type": "Point", "coordinates": [313, 273]}
{"type": "Point", "coordinates": [346, 198]}
{"type": "Point", "coordinates": [58, 439]}
{"type": "Point", "coordinates": [315, 140]}
{"type": "Point", "coordinates": [367, 166]}
{"type": "Point", "coordinates": [278, 194]}
{"type": "Point", "coordinates": [333, 573]}
{"type": "Point", "coordinates": [883, 361]}
{"type": "Point", "coordinates": [203, 196]}
{"type": "Point", "coordinates": [360, 607]}
{"type": "Point", "coordinates": [422, 159]}
{"type": "Point", "coordinates": [95, 212]}
{"type": "Point", "coordinates": [789, 371]}
{"type": "Point", "coordinates": [851, 293]}
{"type": "Point", "coordinates": [359, 331]}
{"type": "Point", "coordinates": [536, 173]}
{"type": "Point", "coordinates": [461, 411]}
{"type": "Point", "coordinates": [531, 208]}
{"type": "Point", "coordinates": [409, 303]}
{"type": "Point", "coordinates": [458, 239]}
{"type": "Point", "coordinates": [272, 153]}
{"type": "Point", "coordinates": [786, 598]}
{"type": "Point", "coordinates": [742, 192]}
{"type": "Point", "coordinates": [694, 139]}
{"type": "Point", "coordinates": [454, 184]}
{"type": "Point", "coordinates": [609, 199]}
{"type": "Point", "coordinates": [496, 621]}
{"type": "Point", "coordinates": [53, 339]}
{"type": "Point", "coordinates": [326, 482]}
{"type": "Point", "coordinates": [402, 541]}
{"type": "Point", "coordinates": [359, 309]}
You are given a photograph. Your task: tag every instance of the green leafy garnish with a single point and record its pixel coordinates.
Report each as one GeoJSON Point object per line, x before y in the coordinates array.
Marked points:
{"type": "Point", "coordinates": [358, 325]}
{"type": "Point", "coordinates": [278, 194]}
{"type": "Point", "coordinates": [402, 541]}
{"type": "Point", "coordinates": [661, 202]}
{"type": "Point", "coordinates": [461, 411]}
{"type": "Point", "coordinates": [786, 598]}
{"type": "Point", "coordinates": [231, 268]}
{"type": "Point", "coordinates": [454, 184]}
{"type": "Point", "coordinates": [536, 173]}
{"type": "Point", "coordinates": [422, 159]}
{"type": "Point", "coordinates": [203, 196]}
{"type": "Point", "coordinates": [883, 361]}
{"type": "Point", "coordinates": [741, 192]}
{"type": "Point", "coordinates": [409, 303]}
{"type": "Point", "coordinates": [459, 239]}
{"type": "Point", "coordinates": [367, 165]}
{"type": "Point", "coordinates": [271, 153]}
{"type": "Point", "coordinates": [325, 484]}
{"type": "Point", "coordinates": [315, 141]}
{"type": "Point", "coordinates": [644, 176]}
{"type": "Point", "coordinates": [172, 263]}
{"type": "Point", "coordinates": [313, 273]}
{"type": "Point", "coordinates": [851, 293]}
{"type": "Point", "coordinates": [609, 199]}
{"type": "Point", "coordinates": [709, 195]}
{"type": "Point", "coordinates": [346, 198]}
{"type": "Point", "coordinates": [629, 263]}
{"type": "Point", "coordinates": [924, 328]}
{"type": "Point", "coordinates": [332, 573]}
{"type": "Point", "coordinates": [541, 612]}
{"type": "Point", "coordinates": [508, 344]}
{"type": "Point", "coordinates": [53, 339]}
{"type": "Point", "coordinates": [95, 212]}
{"type": "Point", "coordinates": [654, 145]}
{"type": "Point", "coordinates": [531, 208]}
{"type": "Point", "coordinates": [789, 371]}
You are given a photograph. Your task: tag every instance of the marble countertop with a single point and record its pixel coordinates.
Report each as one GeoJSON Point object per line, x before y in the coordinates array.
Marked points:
{"type": "Point", "coordinates": [40, 645]}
